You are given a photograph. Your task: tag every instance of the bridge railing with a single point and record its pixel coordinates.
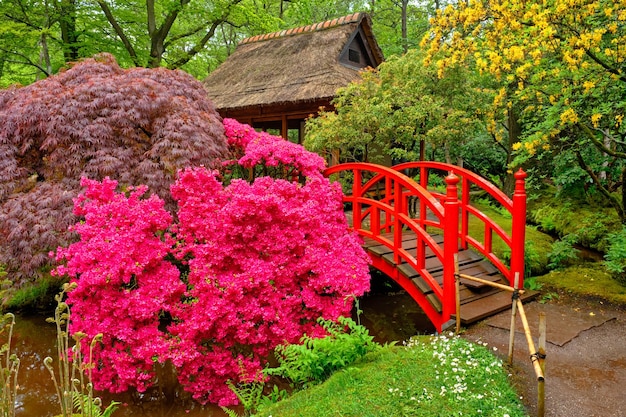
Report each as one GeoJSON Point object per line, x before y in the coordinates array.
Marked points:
{"type": "Point", "coordinates": [423, 173]}
{"type": "Point", "coordinates": [379, 200]}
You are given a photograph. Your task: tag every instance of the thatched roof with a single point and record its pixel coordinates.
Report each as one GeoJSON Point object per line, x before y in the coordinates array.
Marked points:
{"type": "Point", "coordinates": [296, 65]}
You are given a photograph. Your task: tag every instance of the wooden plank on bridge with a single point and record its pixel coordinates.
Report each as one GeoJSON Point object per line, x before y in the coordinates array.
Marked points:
{"type": "Point", "coordinates": [496, 302]}
{"type": "Point", "coordinates": [478, 301]}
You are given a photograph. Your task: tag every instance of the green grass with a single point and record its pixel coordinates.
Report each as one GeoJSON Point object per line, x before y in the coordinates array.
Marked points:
{"type": "Point", "coordinates": [35, 296]}
{"type": "Point", "coordinates": [431, 377]}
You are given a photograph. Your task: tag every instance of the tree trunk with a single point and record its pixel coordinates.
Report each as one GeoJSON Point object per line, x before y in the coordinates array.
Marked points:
{"type": "Point", "coordinates": [514, 130]}
{"type": "Point", "coordinates": [44, 56]}
{"type": "Point", "coordinates": [69, 35]}
{"type": "Point", "coordinates": [614, 201]}
{"type": "Point", "coordinates": [405, 40]}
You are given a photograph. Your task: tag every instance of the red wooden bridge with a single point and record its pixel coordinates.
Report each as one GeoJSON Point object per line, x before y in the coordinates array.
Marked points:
{"type": "Point", "coordinates": [416, 234]}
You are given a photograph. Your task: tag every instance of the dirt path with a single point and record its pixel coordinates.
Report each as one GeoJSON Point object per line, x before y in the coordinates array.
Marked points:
{"type": "Point", "coordinates": [586, 356]}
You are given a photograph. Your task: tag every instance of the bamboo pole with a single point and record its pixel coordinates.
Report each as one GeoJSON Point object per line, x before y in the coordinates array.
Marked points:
{"type": "Point", "coordinates": [493, 284]}
{"type": "Point", "coordinates": [541, 358]}
{"type": "Point", "coordinates": [513, 314]}
{"type": "Point", "coordinates": [529, 339]}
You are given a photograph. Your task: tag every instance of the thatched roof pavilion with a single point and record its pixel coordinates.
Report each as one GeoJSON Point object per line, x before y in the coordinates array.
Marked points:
{"type": "Point", "coordinates": [277, 80]}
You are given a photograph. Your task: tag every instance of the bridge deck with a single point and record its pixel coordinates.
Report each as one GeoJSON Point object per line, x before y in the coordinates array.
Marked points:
{"type": "Point", "coordinates": [478, 301]}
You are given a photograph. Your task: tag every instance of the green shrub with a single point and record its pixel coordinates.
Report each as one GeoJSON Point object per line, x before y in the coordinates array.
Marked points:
{"type": "Point", "coordinates": [38, 295]}
{"type": "Point", "coordinates": [563, 252]}
{"type": "Point", "coordinates": [615, 258]}
{"type": "Point", "coordinates": [559, 214]}
{"type": "Point", "coordinates": [533, 262]}
{"type": "Point", "coordinates": [317, 358]}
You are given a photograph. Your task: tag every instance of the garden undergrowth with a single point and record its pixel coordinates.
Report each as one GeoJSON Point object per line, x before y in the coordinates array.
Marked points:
{"type": "Point", "coordinates": [428, 376]}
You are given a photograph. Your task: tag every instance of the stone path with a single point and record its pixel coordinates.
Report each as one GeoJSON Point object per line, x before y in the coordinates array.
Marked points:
{"type": "Point", "coordinates": [586, 356]}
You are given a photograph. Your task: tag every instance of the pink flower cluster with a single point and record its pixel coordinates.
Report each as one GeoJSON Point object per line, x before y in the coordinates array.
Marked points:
{"type": "Point", "coordinates": [247, 266]}
{"type": "Point", "coordinates": [124, 281]}
{"type": "Point", "coordinates": [259, 148]}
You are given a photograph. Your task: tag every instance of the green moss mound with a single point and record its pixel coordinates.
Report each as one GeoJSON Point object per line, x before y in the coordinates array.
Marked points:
{"type": "Point", "coordinates": [559, 215]}
{"type": "Point", "coordinates": [588, 280]}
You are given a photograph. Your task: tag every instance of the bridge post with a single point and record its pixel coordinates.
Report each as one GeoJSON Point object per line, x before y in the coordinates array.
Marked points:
{"type": "Point", "coordinates": [450, 246]}
{"type": "Point", "coordinates": [518, 228]}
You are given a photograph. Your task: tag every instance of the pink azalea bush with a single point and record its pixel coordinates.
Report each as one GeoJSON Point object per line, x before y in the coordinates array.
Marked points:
{"type": "Point", "coordinates": [124, 281]}
{"type": "Point", "coordinates": [248, 265]}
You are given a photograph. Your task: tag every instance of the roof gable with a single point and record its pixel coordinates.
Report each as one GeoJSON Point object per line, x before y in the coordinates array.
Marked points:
{"type": "Point", "coordinates": [301, 64]}
{"type": "Point", "coordinates": [356, 54]}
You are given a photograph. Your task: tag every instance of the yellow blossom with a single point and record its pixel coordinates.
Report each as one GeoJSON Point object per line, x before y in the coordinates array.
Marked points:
{"type": "Point", "coordinates": [516, 146]}
{"type": "Point", "coordinates": [514, 53]}
{"type": "Point", "coordinates": [595, 119]}
{"type": "Point", "coordinates": [588, 85]}
{"type": "Point", "coordinates": [569, 116]}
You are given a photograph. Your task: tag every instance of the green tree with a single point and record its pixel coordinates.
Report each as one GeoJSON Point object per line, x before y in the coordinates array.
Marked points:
{"type": "Point", "coordinates": [395, 111]}
{"type": "Point", "coordinates": [561, 66]}
{"type": "Point", "coordinates": [398, 24]}
{"type": "Point", "coordinates": [299, 12]}
{"type": "Point", "coordinates": [38, 37]}
{"type": "Point", "coordinates": [28, 41]}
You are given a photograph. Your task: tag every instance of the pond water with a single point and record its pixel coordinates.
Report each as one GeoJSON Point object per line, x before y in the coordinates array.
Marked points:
{"type": "Point", "coordinates": [389, 314]}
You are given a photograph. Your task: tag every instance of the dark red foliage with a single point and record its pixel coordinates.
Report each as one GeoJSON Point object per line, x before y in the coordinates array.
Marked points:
{"type": "Point", "coordinates": [137, 126]}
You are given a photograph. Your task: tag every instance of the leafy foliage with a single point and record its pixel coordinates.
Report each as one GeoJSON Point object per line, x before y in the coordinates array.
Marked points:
{"type": "Point", "coordinates": [429, 376]}
{"type": "Point", "coordinates": [93, 120]}
{"type": "Point", "coordinates": [315, 359]}
{"type": "Point", "coordinates": [389, 111]}
{"type": "Point", "coordinates": [246, 266]}
{"type": "Point", "coordinates": [39, 38]}
{"type": "Point", "coordinates": [560, 66]}
{"type": "Point", "coordinates": [563, 251]}
{"type": "Point", "coordinates": [615, 258]}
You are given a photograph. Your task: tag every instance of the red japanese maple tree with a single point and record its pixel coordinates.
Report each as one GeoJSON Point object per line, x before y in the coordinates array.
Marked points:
{"type": "Point", "coordinates": [97, 120]}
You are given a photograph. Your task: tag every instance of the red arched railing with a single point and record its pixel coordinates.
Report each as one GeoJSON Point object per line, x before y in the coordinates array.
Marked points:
{"type": "Point", "coordinates": [515, 206]}
{"type": "Point", "coordinates": [380, 198]}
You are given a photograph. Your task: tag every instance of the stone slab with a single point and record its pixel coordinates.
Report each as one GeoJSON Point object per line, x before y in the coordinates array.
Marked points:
{"type": "Point", "coordinates": [563, 322]}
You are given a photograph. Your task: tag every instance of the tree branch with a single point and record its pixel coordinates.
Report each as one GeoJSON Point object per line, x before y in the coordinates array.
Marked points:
{"type": "Point", "coordinates": [157, 36]}
{"type": "Point", "coordinates": [599, 144]}
{"type": "Point", "coordinates": [180, 36]}
{"type": "Point", "coordinates": [604, 65]}
{"type": "Point", "coordinates": [26, 61]}
{"type": "Point", "coordinates": [198, 47]}
{"type": "Point", "coordinates": [151, 17]}
{"type": "Point", "coordinates": [22, 21]}
{"type": "Point", "coordinates": [119, 31]}
{"type": "Point", "coordinates": [614, 201]}
{"type": "Point", "coordinates": [208, 35]}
